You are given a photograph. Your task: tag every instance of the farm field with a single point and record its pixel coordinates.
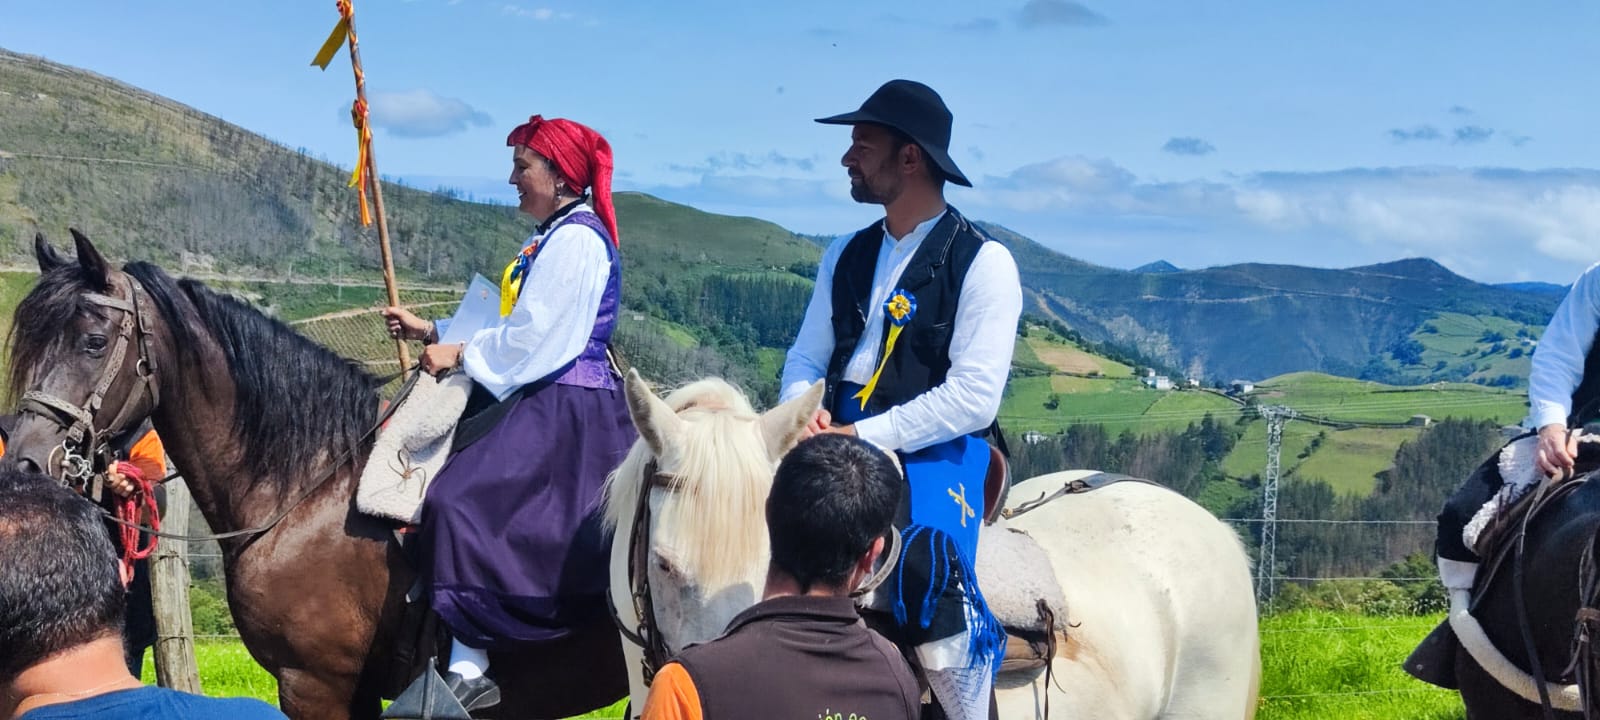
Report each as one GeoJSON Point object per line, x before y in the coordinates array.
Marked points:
{"type": "Point", "coordinates": [1350, 460]}
{"type": "Point", "coordinates": [1491, 346]}
{"type": "Point", "coordinates": [1315, 665]}
{"type": "Point", "coordinates": [1348, 400]}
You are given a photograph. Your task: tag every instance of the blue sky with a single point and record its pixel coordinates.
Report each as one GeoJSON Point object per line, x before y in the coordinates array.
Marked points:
{"type": "Point", "coordinates": [1203, 133]}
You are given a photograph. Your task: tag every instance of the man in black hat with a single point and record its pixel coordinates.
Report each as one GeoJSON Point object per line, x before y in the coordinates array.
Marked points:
{"type": "Point", "coordinates": [912, 325]}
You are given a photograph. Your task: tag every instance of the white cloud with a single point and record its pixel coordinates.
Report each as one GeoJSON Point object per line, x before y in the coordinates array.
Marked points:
{"type": "Point", "coordinates": [422, 113]}
{"type": "Point", "coordinates": [542, 14]}
{"type": "Point", "coordinates": [1486, 223]}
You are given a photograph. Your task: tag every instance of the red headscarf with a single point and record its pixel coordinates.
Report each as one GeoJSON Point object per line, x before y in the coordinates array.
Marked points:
{"type": "Point", "coordinates": [579, 153]}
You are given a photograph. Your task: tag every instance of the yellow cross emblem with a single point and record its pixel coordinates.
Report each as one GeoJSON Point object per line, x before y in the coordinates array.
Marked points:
{"type": "Point", "coordinates": [961, 499]}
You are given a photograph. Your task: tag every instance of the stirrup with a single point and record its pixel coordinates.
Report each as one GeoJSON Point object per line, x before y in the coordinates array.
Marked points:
{"type": "Point", "coordinates": [427, 698]}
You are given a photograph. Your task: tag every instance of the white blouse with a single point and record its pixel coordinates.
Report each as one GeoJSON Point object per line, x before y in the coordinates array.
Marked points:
{"type": "Point", "coordinates": [553, 317]}
{"type": "Point", "coordinates": [1559, 358]}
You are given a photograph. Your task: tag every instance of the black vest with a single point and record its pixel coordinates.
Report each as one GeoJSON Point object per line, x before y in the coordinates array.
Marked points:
{"type": "Point", "coordinates": [934, 277]}
{"type": "Point", "coordinates": [1586, 399]}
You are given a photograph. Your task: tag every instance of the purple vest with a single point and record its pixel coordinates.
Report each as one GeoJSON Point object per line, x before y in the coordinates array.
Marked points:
{"type": "Point", "coordinates": [592, 369]}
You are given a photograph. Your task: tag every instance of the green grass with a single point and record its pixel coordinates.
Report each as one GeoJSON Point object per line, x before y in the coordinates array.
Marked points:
{"type": "Point", "coordinates": [1349, 460]}
{"type": "Point", "coordinates": [1345, 399]}
{"type": "Point", "coordinates": [1249, 455]}
{"type": "Point", "coordinates": [1315, 665]}
{"type": "Point", "coordinates": [1066, 356]}
{"type": "Point", "coordinates": [1318, 665]}
{"type": "Point", "coordinates": [1116, 404]}
{"type": "Point", "coordinates": [1456, 340]}
{"type": "Point", "coordinates": [227, 670]}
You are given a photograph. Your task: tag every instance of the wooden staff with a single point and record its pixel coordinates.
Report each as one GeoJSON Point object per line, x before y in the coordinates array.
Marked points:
{"type": "Point", "coordinates": [367, 167]}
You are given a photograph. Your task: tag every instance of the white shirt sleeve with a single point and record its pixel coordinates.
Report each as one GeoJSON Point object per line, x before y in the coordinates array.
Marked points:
{"type": "Point", "coordinates": [1559, 359]}
{"type": "Point", "coordinates": [981, 344]}
{"type": "Point", "coordinates": [553, 317]}
{"type": "Point", "coordinates": [807, 361]}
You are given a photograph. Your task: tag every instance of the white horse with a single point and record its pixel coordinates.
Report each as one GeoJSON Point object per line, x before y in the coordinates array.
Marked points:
{"type": "Point", "coordinates": [1158, 590]}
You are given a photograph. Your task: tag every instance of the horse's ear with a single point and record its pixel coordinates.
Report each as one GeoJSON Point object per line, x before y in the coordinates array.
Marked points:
{"type": "Point", "coordinates": [782, 425]}
{"type": "Point", "coordinates": [654, 419]}
{"type": "Point", "coordinates": [94, 264]}
{"type": "Point", "coordinates": [47, 256]}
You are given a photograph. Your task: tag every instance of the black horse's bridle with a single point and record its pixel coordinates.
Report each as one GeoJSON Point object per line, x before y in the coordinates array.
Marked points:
{"type": "Point", "coordinates": [80, 459]}
{"type": "Point", "coordinates": [647, 633]}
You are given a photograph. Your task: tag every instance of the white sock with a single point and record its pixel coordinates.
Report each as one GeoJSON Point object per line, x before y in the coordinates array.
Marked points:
{"type": "Point", "coordinates": [963, 692]}
{"type": "Point", "coordinates": [468, 662]}
{"type": "Point", "coordinates": [1457, 574]}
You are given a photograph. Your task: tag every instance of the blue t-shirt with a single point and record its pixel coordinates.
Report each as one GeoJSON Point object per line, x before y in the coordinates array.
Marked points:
{"type": "Point", "coordinates": [154, 703]}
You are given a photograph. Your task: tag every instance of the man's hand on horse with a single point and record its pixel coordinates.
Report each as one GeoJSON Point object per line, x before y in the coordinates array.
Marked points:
{"type": "Point", "coordinates": [820, 423]}
{"type": "Point", "coordinates": [436, 359]}
{"type": "Point", "coordinates": [120, 483]}
{"type": "Point", "coordinates": [1558, 447]}
{"type": "Point", "coordinates": [405, 325]}
{"type": "Point", "coordinates": [841, 430]}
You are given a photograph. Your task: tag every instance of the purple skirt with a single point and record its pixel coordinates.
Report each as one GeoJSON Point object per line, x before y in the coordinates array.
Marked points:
{"type": "Point", "coordinates": [513, 546]}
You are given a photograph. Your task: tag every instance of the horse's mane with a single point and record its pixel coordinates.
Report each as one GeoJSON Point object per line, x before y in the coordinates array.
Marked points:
{"type": "Point", "coordinates": [296, 404]}
{"type": "Point", "coordinates": [715, 522]}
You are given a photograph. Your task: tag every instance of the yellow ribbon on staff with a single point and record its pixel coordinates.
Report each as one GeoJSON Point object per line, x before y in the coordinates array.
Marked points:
{"type": "Point", "coordinates": [899, 308]}
{"type": "Point", "coordinates": [358, 111]}
{"type": "Point", "coordinates": [358, 176]}
{"type": "Point", "coordinates": [335, 38]}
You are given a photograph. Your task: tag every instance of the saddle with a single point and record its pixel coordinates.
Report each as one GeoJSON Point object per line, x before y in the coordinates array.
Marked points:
{"type": "Point", "coordinates": [1017, 580]}
{"type": "Point", "coordinates": [996, 485]}
{"type": "Point", "coordinates": [1498, 536]}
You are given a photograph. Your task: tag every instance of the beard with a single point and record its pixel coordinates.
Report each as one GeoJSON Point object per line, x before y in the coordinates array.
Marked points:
{"type": "Point", "coordinates": [869, 193]}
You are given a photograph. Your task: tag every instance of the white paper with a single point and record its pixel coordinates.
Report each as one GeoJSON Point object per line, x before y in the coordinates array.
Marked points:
{"type": "Point", "coordinates": [480, 308]}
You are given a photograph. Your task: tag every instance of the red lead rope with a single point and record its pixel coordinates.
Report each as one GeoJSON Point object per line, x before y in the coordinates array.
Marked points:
{"type": "Point", "coordinates": [143, 498]}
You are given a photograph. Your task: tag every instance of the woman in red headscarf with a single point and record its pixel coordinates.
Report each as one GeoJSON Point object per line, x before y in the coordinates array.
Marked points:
{"type": "Point", "coordinates": [513, 548]}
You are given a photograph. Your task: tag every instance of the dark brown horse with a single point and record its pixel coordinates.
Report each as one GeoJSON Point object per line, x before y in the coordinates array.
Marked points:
{"type": "Point", "coordinates": [265, 426]}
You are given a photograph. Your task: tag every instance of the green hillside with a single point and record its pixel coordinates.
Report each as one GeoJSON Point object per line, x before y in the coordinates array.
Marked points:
{"type": "Point", "coordinates": [1342, 451]}
{"type": "Point", "coordinates": [1359, 401]}
{"type": "Point", "coordinates": [1475, 348]}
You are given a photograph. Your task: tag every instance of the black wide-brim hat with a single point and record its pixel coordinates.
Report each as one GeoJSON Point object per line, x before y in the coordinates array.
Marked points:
{"type": "Point", "coordinates": [916, 110]}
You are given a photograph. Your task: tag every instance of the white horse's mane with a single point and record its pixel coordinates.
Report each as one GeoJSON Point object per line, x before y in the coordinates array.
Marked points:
{"type": "Point", "coordinates": [716, 517]}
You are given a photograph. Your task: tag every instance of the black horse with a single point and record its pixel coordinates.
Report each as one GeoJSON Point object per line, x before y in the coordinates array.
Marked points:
{"type": "Point", "coordinates": [1538, 604]}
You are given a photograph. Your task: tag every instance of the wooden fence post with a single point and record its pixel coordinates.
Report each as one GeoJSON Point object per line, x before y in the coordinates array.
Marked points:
{"type": "Point", "coordinates": [169, 589]}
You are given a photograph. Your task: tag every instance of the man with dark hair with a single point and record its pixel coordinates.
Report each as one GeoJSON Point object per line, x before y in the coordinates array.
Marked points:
{"type": "Point", "coordinates": [62, 604]}
{"type": "Point", "coordinates": [803, 650]}
{"type": "Point", "coordinates": [912, 323]}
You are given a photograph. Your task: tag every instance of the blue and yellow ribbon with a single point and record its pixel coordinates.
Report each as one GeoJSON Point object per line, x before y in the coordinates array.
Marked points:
{"type": "Point", "coordinates": [899, 309]}
{"type": "Point", "coordinates": [511, 279]}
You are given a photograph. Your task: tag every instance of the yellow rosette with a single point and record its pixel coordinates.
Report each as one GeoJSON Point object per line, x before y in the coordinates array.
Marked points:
{"type": "Point", "coordinates": [899, 309]}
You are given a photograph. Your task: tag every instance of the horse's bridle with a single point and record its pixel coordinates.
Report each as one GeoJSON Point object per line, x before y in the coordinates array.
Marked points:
{"type": "Point", "coordinates": [647, 634]}
{"type": "Point", "coordinates": [85, 453]}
